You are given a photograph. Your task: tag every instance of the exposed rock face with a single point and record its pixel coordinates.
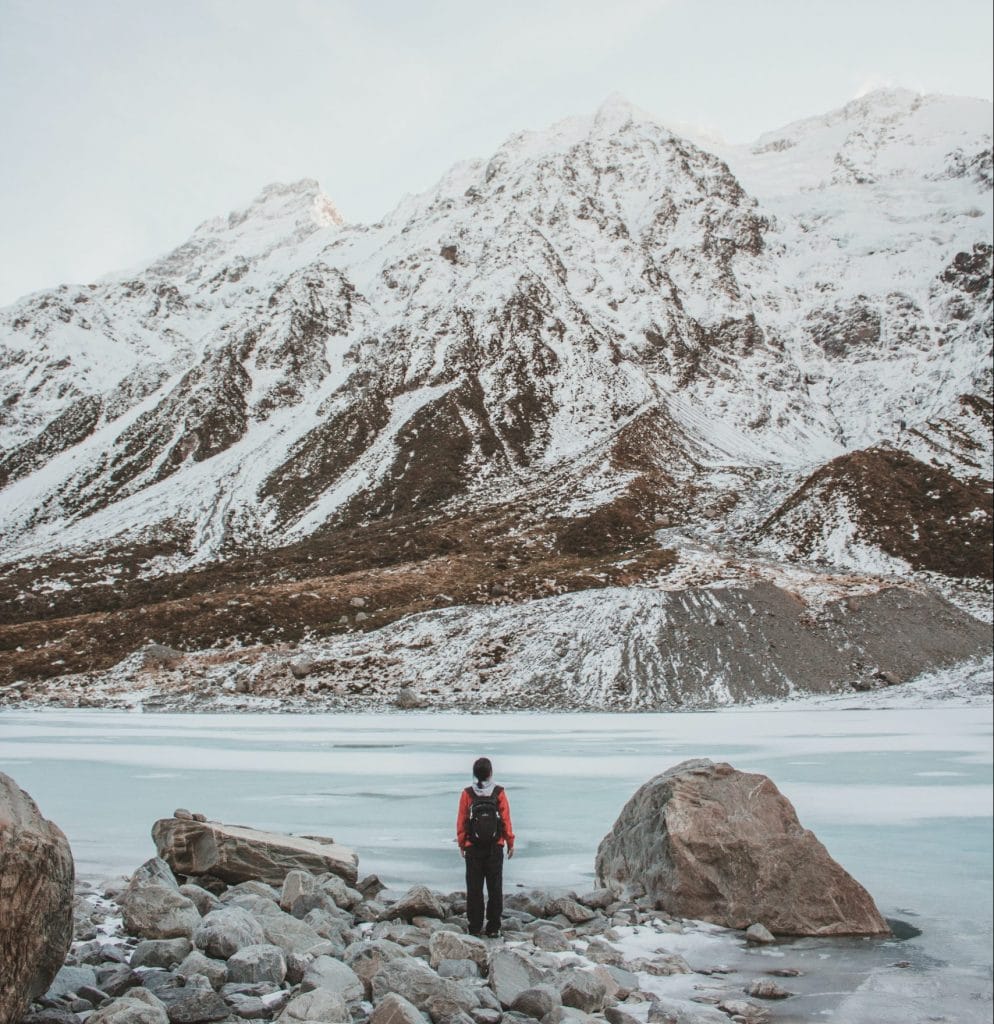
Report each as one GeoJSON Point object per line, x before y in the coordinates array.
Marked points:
{"type": "Point", "coordinates": [721, 845]}
{"type": "Point", "coordinates": [235, 854]}
{"type": "Point", "coordinates": [36, 899]}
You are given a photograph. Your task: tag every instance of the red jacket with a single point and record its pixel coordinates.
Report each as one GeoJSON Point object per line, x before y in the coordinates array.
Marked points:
{"type": "Point", "coordinates": [462, 820]}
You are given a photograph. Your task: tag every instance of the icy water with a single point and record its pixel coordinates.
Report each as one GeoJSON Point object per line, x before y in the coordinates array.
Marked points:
{"type": "Point", "coordinates": [902, 798]}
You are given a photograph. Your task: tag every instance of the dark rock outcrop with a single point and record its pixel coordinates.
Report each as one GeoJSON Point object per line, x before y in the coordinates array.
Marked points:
{"type": "Point", "coordinates": [36, 900]}
{"type": "Point", "coordinates": [713, 843]}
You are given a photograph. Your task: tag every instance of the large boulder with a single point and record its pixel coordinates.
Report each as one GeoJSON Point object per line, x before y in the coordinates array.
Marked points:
{"type": "Point", "coordinates": [234, 853]}
{"type": "Point", "coordinates": [710, 842]}
{"type": "Point", "coordinates": [36, 898]}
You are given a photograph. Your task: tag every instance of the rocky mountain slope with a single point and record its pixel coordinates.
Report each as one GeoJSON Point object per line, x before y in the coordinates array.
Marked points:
{"type": "Point", "coordinates": [578, 364]}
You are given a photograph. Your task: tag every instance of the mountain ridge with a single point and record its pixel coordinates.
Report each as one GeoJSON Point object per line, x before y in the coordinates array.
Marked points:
{"type": "Point", "coordinates": [601, 331]}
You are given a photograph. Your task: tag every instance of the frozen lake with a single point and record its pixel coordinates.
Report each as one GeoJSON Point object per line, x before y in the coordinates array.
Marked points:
{"type": "Point", "coordinates": [901, 797]}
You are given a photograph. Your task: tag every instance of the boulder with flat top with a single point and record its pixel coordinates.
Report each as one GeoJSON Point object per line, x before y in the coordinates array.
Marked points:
{"type": "Point", "coordinates": [36, 900]}
{"type": "Point", "coordinates": [235, 853]}
{"type": "Point", "coordinates": [706, 841]}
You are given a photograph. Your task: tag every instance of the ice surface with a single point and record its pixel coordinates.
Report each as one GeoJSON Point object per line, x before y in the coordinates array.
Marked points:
{"type": "Point", "coordinates": [901, 796]}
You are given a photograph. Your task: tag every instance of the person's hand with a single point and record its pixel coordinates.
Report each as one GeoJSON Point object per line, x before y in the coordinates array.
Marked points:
{"type": "Point", "coordinates": [462, 852]}
{"type": "Point", "coordinates": [510, 852]}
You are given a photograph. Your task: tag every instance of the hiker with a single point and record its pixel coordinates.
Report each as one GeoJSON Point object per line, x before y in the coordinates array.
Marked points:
{"type": "Point", "coordinates": [483, 830]}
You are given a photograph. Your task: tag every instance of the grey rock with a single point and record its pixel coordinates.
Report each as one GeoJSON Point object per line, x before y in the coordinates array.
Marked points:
{"type": "Point", "coordinates": [625, 980]}
{"type": "Point", "coordinates": [152, 907]}
{"type": "Point", "coordinates": [116, 980]}
{"type": "Point", "coordinates": [537, 1001]}
{"type": "Point", "coordinates": [486, 1015]}
{"type": "Point", "coordinates": [510, 975]}
{"type": "Point", "coordinates": [325, 972]}
{"type": "Point", "coordinates": [574, 912]}
{"type": "Point", "coordinates": [53, 1015]}
{"type": "Point", "coordinates": [615, 1015]}
{"type": "Point", "coordinates": [251, 887]}
{"type": "Point", "coordinates": [215, 971]}
{"type": "Point", "coordinates": [759, 935]}
{"type": "Point", "coordinates": [160, 982]}
{"type": "Point", "coordinates": [601, 953]}
{"type": "Point", "coordinates": [598, 899]}
{"type": "Point", "coordinates": [368, 956]}
{"type": "Point", "coordinates": [420, 985]}
{"type": "Point", "coordinates": [370, 887]}
{"type": "Point", "coordinates": [551, 939]}
{"type": "Point", "coordinates": [316, 1005]}
{"type": "Point", "coordinates": [138, 1006]}
{"type": "Point", "coordinates": [160, 952]}
{"type": "Point", "coordinates": [765, 988]}
{"type": "Point", "coordinates": [418, 901]}
{"type": "Point", "coordinates": [69, 980]}
{"type": "Point", "coordinates": [743, 1008]}
{"type": "Point", "coordinates": [262, 962]}
{"type": "Point", "coordinates": [582, 990]}
{"type": "Point", "coordinates": [395, 1009]}
{"type": "Point", "coordinates": [446, 945]}
{"type": "Point", "coordinates": [568, 1015]}
{"type": "Point", "coordinates": [200, 897]}
{"type": "Point", "coordinates": [223, 932]}
{"type": "Point", "coordinates": [457, 969]}
{"type": "Point", "coordinates": [160, 656]}
{"type": "Point", "coordinates": [297, 883]}
{"type": "Point", "coordinates": [189, 1004]}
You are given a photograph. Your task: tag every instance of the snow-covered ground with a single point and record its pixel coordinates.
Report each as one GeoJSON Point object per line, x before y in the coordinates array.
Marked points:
{"type": "Point", "coordinates": [897, 785]}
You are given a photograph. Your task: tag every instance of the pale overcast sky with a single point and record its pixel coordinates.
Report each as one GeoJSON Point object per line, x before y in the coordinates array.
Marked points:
{"type": "Point", "coordinates": [125, 123]}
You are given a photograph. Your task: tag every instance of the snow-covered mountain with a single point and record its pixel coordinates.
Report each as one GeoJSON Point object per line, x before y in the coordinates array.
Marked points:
{"type": "Point", "coordinates": [781, 349]}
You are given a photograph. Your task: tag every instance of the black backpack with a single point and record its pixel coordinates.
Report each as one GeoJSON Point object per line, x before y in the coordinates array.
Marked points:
{"type": "Point", "coordinates": [485, 825]}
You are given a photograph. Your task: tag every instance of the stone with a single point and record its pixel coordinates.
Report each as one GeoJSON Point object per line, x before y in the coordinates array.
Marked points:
{"type": "Point", "coordinates": [744, 1009]}
{"type": "Point", "coordinates": [36, 900]}
{"type": "Point", "coordinates": [69, 980]}
{"type": "Point", "coordinates": [343, 895]}
{"type": "Point", "coordinates": [446, 945]}
{"type": "Point", "coordinates": [395, 1009]}
{"type": "Point", "coordinates": [625, 980]}
{"type": "Point", "coordinates": [237, 854]}
{"type": "Point", "coordinates": [160, 952]}
{"type": "Point", "coordinates": [368, 956]}
{"type": "Point", "coordinates": [537, 1001]}
{"type": "Point", "coordinates": [460, 970]}
{"type": "Point", "coordinates": [262, 962]}
{"type": "Point", "coordinates": [759, 935]}
{"type": "Point", "coordinates": [160, 656]}
{"type": "Point", "coordinates": [486, 1015]}
{"type": "Point", "coordinates": [215, 971]}
{"type": "Point", "coordinates": [551, 939]}
{"type": "Point", "coordinates": [663, 965]}
{"type": "Point", "coordinates": [418, 901]}
{"type": "Point", "coordinates": [203, 900]}
{"type": "Point", "coordinates": [116, 980]}
{"type": "Point", "coordinates": [615, 1015]}
{"type": "Point", "coordinates": [138, 1006]}
{"type": "Point", "coordinates": [510, 975]}
{"type": "Point", "coordinates": [152, 907]}
{"type": "Point", "coordinates": [316, 1005]}
{"type": "Point", "coordinates": [53, 1015]}
{"type": "Point", "coordinates": [327, 973]}
{"type": "Point", "coordinates": [574, 912]}
{"type": "Point", "coordinates": [223, 932]}
{"type": "Point", "coordinates": [601, 953]}
{"type": "Point", "coordinates": [712, 843]}
{"type": "Point", "coordinates": [370, 887]}
{"type": "Point", "coordinates": [582, 990]}
{"type": "Point", "coordinates": [598, 899]}
{"type": "Point", "coordinates": [291, 935]}
{"type": "Point", "coordinates": [407, 699]}
{"type": "Point", "coordinates": [160, 981]}
{"type": "Point", "coordinates": [296, 883]}
{"type": "Point", "coordinates": [565, 1015]}
{"type": "Point", "coordinates": [766, 988]}
{"type": "Point", "coordinates": [419, 984]}
{"type": "Point", "coordinates": [191, 1004]}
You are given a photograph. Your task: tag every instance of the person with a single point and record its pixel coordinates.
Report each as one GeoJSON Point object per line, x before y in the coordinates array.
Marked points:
{"type": "Point", "coordinates": [483, 832]}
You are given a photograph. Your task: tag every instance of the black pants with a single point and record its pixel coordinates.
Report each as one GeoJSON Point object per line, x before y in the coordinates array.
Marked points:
{"type": "Point", "coordinates": [484, 865]}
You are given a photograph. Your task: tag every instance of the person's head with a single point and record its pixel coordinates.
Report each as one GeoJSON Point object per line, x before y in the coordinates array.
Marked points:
{"type": "Point", "coordinates": [482, 769]}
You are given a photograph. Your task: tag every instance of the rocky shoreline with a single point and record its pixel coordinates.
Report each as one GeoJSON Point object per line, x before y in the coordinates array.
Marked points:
{"type": "Point", "coordinates": [228, 923]}
{"type": "Point", "coordinates": [317, 949]}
